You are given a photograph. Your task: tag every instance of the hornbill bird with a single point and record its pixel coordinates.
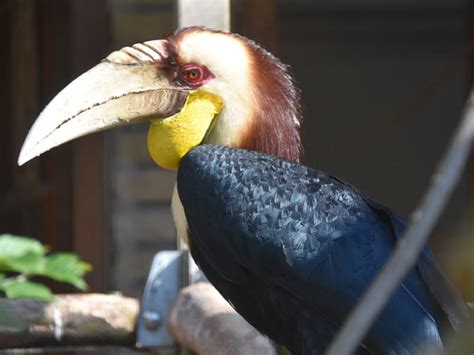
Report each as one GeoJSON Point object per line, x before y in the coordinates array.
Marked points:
{"type": "Point", "coordinates": [291, 248]}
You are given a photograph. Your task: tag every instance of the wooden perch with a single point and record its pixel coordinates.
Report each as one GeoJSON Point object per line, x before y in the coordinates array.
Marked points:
{"type": "Point", "coordinates": [80, 319]}
{"type": "Point", "coordinates": [200, 319]}
{"type": "Point", "coordinates": [204, 322]}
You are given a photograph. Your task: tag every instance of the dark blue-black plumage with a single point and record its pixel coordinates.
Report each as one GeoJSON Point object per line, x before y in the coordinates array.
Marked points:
{"type": "Point", "coordinates": [293, 249]}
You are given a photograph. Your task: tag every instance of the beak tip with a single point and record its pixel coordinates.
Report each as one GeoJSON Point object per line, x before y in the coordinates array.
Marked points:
{"type": "Point", "coordinates": [28, 151]}
{"type": "Point", "coordinates": [23, 158]}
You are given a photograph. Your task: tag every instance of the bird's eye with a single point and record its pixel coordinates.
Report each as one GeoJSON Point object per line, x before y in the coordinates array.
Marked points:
{"type": "Point", "coordinates": [193, 74]}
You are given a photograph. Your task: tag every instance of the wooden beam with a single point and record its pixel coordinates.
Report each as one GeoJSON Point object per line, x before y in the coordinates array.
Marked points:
{"type": "Point", "coordinates": [24, 83]}
{"type": "Point", "coordinates": [21, 200]}
{"type": "Point", "coordinates": [90, 40]}
{"type": "Point", "coordinates": [56, 165]}
{"type": "Point", "coordinates": [5, 92]}
{"type": "Point", "coordinates": [212, 14]}
{"type": "Point", "coordinates": [209, 13]}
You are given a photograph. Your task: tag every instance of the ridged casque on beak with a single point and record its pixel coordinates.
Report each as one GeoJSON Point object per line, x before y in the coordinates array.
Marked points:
{"type": "Point", "coordinates": [129, 86]}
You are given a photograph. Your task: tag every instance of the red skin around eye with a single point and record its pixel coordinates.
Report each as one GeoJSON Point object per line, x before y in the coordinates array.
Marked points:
{"type": "Point", "coordinates": [187, 71]}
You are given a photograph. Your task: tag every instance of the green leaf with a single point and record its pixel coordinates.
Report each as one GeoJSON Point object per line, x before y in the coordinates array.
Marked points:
{"type": "Point", "coordinates": [281, 350]}
{"type": "Point", "coordinates": [27, 289]}
{"type": "Point", "coordinates": [29, 264]}
{"type": "Point", "coordinates": [23, 255]}
{"type": "Point", "coordinates": [12, 246]}
{"type": "Point", "coordinates": [27, 257]}
{"type": "Point", "coordinates": [67, 267]}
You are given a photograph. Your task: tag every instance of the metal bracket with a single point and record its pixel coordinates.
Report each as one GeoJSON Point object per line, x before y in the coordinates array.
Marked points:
{"type": "Point", "coordinates": [161, 289]}
{"type": "Point", "coordinates": [160, 292]}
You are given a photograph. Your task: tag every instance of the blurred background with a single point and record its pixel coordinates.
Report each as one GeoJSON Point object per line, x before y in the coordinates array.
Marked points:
{"type": "Point", "coordinates": [383, 85]}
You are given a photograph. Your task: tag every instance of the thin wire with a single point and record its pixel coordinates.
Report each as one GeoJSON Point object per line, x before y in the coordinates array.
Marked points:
{"type": "Point", "coordinates": [410, 245]}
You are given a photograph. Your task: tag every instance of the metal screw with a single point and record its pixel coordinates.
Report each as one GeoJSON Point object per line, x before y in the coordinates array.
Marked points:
{"type": "Point", "coordinates": [151, 320]}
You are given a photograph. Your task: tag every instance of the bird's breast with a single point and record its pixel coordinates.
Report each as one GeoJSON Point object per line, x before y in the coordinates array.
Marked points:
{"type": "Point", "coordinates": [179, 216]}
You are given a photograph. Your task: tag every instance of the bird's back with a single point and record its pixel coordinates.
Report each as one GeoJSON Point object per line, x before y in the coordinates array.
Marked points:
{"type": "Point", "coordinates": [293, 249]}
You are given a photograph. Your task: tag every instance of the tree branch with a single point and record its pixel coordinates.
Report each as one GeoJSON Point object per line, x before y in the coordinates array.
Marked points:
{"type": "Point", "coordinates": [200, 319]}
{"type": "Point", "coordinates": [410, 245]}
{"type": "Point", "coordinates": [81, 319]}
{"type": "Point", "coordinates": [203, 321]}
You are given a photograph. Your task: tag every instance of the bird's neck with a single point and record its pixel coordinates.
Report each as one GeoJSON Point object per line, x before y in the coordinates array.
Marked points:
{"type": "Point", "coordinates": [274, 118]}
{"type": "Point", "coordinates": [275, 135]}
{"type": "Point", "coordinates": [265, 119]}
{"type": "Point", "coordinates": [271, 130]}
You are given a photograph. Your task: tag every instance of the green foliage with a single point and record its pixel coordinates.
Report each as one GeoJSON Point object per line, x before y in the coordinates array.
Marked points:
{"type": "Point", "coordinates": [26, 289]}
{"type": "Point", "coordinates": [281, 350]}
{"type": "Point", "coordinates": [67, 267]}
{"type": "Point", "coordinates": [25, 258]}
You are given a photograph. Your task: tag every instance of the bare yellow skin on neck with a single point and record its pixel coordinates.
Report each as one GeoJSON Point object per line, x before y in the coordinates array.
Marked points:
{"type": "Point", "coordinates": [169, 139]}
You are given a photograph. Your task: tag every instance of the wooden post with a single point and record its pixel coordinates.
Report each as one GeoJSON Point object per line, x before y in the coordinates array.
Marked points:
{"type": "Point", "coordinates": [19, 205]}
{"type": "Point", "coordinates": [213, 14]}
{"type": "Point", "coordinates": [24, 91]}
{"type": "Point", "coordinates": [209, 13]}
{"type": "Point", "coordinates": [5, 74]}
{"type": "Point", "coordinates": [56, 165]}
{"type": "Point", "coordinates": [90, 43]}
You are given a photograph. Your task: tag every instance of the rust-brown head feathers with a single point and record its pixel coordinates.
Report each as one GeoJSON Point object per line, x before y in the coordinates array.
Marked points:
{"type": "Point", "coordinates": [276, 122]}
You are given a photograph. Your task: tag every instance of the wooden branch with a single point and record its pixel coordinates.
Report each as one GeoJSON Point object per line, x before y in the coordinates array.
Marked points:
{"type": "Point", "coordinates": [204, 322]}
{"type": "Point", "coordinates": [200, 319]}
{"type": "Point", "coordinates": [79, 319]}
{"type": "Point", "coordinates": [410, 245]}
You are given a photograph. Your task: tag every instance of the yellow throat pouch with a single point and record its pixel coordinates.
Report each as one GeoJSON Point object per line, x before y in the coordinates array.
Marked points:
{"type": "Point", "coordinates": [169, 139]}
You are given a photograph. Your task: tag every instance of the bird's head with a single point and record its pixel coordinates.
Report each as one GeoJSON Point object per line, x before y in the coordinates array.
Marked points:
{"type": "Point", "coordinates": [195, 86]}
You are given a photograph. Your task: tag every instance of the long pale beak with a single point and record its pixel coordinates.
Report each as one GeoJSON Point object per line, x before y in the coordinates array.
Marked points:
{"type": "Point", "coordinates": [128, 87]}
